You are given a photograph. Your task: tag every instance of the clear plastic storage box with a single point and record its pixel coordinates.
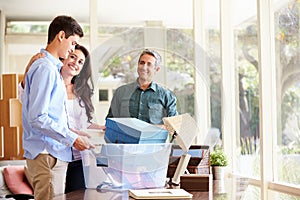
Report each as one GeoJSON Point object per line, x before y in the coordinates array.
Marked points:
{"type": "Point", "coordinates": [126, 166]}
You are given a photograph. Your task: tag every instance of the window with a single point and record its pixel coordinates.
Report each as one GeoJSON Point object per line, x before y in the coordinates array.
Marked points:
{"type": "Point", "coordinates": [103, 95]}
{"type": "Point", "coordinates": [288, 90]}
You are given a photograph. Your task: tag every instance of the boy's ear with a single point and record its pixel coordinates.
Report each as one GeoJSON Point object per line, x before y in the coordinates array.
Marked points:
{"type": "Point", "coordinates": [61, 35]}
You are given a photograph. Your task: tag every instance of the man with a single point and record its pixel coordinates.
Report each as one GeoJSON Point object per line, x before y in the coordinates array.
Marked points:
{"type": "Point", "coordinates": [47, 139]}
{"type": "Point", "coordinates": [144, 99]}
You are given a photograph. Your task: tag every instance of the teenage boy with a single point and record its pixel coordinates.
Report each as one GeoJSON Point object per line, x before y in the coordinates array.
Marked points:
{"type": "Point", "coordinates": [47, 139]}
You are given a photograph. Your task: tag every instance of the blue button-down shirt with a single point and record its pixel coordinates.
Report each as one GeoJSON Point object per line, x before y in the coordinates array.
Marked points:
{"type": "Point", "coordinates": [149, 105]}
{"type": "Point", "coordinates": [44, 116]}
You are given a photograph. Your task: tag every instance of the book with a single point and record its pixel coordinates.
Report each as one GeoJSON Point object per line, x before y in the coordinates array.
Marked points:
{"type": "Point", "coordinates": [185, 127]}
{"type": "Point", "coordinates": [160, 194]}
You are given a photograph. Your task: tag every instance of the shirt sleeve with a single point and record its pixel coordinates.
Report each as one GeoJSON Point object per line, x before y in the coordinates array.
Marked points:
{"type": "Point", "coordinates": [114, 106]}
{"type": "Point", "coordinates": [171, 105]}
{"type": "Point", "coordinates": [42, 83]}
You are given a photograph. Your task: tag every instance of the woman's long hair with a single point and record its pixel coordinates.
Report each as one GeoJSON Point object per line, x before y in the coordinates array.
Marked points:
{"type": "Point", "coordinates": [83, 84]}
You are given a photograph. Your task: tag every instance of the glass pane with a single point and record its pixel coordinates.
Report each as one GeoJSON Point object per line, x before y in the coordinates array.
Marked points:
{"type": "Point", "coordinates": [246, 64]}
{"type": "Point", "coordinates": [34, 27]}
{"type": "Point", "coordinates": [212, 31]}
{"type": "Point", "coordinates": [281, 196]}
{"type": "Point", "coordinates": [288, 91]}
{"type": "Point", "coordinates": [235, 188]}
{"type": "Point", "coordinates": [180, 68]}
{"type": "Point", "coordinates": [27, 27]}
{"type": "Point", "coordinates": [252, 193]}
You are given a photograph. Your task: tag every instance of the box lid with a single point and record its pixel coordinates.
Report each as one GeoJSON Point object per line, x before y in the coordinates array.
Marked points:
{"type": "Point", "coordinates": [136, 128]}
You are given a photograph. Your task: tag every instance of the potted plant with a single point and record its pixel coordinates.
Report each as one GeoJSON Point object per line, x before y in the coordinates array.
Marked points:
{"type": "Point", "coordinates": [218, 161]}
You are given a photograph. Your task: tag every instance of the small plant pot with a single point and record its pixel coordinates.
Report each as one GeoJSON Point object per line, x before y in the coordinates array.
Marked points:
{"type": "Point", "coordinates": [218, 172]}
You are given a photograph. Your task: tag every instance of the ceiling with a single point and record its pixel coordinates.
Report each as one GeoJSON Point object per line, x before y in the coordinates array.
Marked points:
{"type": "Point", "coordinates": [173, 13]}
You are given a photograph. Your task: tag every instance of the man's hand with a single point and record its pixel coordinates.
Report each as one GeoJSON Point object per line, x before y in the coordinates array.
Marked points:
{"type": "Point", "coordinates": [83, 143]}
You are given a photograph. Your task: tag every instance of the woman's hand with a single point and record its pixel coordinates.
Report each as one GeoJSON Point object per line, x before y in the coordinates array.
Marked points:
{"type": "Point", "coordinates": [33, 58]}
{"type": "Point", "coordinates": [97, 126]}
{"type": "Point", "coordinates": [82, 133]}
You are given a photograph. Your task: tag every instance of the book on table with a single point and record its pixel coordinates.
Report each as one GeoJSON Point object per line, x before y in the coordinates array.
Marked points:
{"type": "Point", "coordinates": [160, 194]}
{"type": "Point", "coordinates": [184, 128]}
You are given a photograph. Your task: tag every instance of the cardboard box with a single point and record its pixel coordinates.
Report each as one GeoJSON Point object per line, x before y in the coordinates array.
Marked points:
{"type": "Point", "coordinates": [133, 131]}
{"type": "Point", "coordinates": [126, 166]}
{"type": "Point", "coordinates": [199, 162]}
{"type": "Point", "coordinates": [196, 182]}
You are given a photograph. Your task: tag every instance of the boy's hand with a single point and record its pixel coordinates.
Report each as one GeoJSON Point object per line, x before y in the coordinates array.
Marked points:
{"type": "Point", "coordinates": [83, 143]}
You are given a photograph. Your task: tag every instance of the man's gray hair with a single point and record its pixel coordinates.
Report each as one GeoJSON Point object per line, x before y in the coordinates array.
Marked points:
{"type": "Point", "coordinates": [153, 53]}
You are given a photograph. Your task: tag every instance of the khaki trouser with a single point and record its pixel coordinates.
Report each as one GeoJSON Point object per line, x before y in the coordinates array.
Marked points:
{"type": "Point", "coordinates": [48, 176]}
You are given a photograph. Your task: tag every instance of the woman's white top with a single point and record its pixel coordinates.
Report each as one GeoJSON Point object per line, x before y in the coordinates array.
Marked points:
{"type": "Point", "coordinates": [77, 115]}
{"type": "Point", "coordinates": [77, 119]}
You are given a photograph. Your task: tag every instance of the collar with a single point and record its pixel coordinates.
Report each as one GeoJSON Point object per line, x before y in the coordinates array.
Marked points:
{"type": "Point", "coordinates": [152, 86]}
{"type": "Point", "coordinates": [52, 59]}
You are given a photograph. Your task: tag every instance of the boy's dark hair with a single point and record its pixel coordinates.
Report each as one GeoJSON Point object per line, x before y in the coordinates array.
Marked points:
{"type": "Point", "coordinates": [66, 24]}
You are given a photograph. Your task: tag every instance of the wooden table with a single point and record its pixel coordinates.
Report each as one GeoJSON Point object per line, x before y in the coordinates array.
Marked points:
{"type": "Point", "coordinates": [231, 188]}
{"type": "Point", "coordinates": [93, 194]}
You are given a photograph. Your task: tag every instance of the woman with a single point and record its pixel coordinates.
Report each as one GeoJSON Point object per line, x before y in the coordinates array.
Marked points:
{"type": "Point", "coordinates": [76, 72]}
